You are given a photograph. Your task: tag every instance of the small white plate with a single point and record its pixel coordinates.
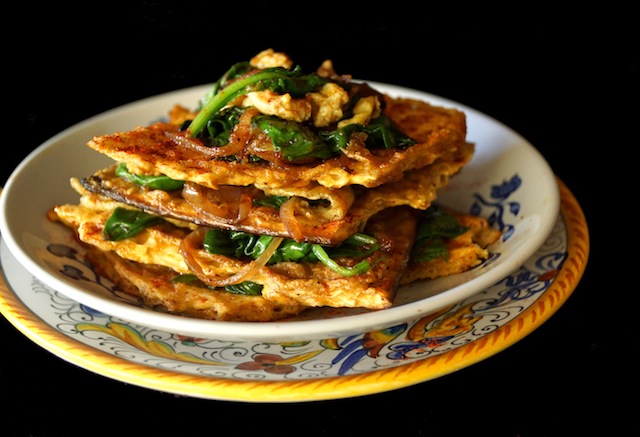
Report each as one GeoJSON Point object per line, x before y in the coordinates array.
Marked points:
{"type": "Point", "coordinates": [507, 181]}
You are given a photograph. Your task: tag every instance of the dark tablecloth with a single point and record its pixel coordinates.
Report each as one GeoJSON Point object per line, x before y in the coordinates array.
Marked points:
{"type": "Point", "coordinates": [567, 82]}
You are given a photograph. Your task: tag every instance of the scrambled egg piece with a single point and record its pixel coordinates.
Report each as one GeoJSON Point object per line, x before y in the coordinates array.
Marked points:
{"type": "Point", "coordinates": [366, 109]}
{"type": "Point", "coordinates": [269, 58]}
{"type": "Point", "coordinates": [327, 104]}
{"type": "Point", "coordinates": [281, 105]}
{"type": "Point", "coordinates": [323, 107]}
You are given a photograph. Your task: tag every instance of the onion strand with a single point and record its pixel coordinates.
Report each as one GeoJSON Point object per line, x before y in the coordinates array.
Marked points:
{"type": "Point", "coordinates": [192, 243]}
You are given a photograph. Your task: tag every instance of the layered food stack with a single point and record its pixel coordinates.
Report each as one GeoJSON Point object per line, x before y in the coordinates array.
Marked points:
{"type": "Point", "coordinates": [282, 190]}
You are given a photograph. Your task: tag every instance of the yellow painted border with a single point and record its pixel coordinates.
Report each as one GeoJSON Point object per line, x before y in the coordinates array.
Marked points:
{"type": "Point", "coordinates": [326, 388]}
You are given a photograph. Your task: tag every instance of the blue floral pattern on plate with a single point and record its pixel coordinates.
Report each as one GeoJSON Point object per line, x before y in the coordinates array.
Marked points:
{"type": "Point", "coordinates": [428, 336]}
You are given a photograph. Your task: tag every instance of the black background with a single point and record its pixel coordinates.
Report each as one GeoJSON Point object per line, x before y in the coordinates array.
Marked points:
{"type": "Point", "coordinates": [567, 81]}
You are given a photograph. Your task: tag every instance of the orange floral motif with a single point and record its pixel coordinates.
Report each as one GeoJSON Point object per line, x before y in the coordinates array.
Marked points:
{"type": "Point", "coordinates": [134, 338]}
{"type": "Point", "coordinates": [454, 324]}
{"type": "Point", "coordinates": [269, 363]}
{"type": "Point", "coordinates": [189, 340]}
{"type": "Point", "coordinates": [547, 276]}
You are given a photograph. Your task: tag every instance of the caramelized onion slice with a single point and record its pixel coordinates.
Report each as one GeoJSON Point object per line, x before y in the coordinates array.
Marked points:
{"type": "Point", "coordinates": [227, 203]}
{"type": "Point", "coordinates": [184, 142]}
{"type": "Point", "coordinates": [288, 216]}
{"type": "Point", "coordinates": [192, 243]}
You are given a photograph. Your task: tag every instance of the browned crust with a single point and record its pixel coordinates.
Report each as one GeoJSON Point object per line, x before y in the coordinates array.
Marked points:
{"type": "Point", "coordinates": [156, 287]}
{"type": "Point", "coordinates": [465, 251]}
{"type": "Point", "coordinates": [152, 149]}
{"type": "Point", "coordinates": [417, 189]}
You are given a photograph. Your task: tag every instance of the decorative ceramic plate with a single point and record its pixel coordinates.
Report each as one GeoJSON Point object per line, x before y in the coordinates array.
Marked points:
{"type": "Point", "coordinates": [449, 339]}
{"type": "Point", "coordinates": [507, 181]}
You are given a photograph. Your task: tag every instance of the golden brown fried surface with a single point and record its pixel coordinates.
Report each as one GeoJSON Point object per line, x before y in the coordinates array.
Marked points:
{"type": "Point", "coordinates": [348, 211]}
{"type": "Point", "coordinates": [370, 190]}
{"type": "Point", "coordinates": [155, 285]}
{"type": "Point", "coordinates": [288, 283]}
{"type": "Point", "coordinates": [315, 285]}
{"type": "Point", "coordinates": [161, 148]}
{"type": "Point", "coordinates": [465, 251]}
{"type": "Point", "coordinates": [144, 265]}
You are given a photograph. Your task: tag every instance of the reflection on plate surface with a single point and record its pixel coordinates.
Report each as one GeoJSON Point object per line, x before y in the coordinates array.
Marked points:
{"type": "Point", "coordinates": [435, 344]}
{"type": "Point", "coordinates": [507, 181]}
